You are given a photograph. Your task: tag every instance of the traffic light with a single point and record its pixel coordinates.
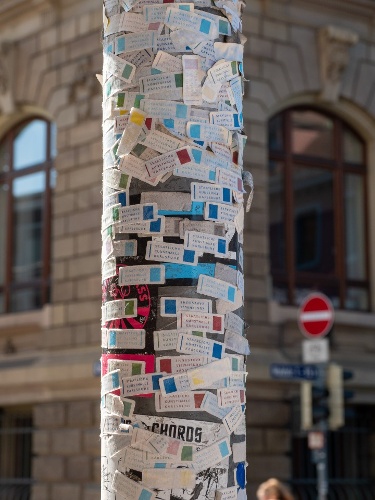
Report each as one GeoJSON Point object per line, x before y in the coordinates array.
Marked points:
{"type": "Point", "coordinates": [336, 376]}
{"type": "Point", "coordinates": [314, 404]}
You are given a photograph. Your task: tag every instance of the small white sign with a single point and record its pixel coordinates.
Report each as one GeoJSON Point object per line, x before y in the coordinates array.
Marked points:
{"type": "Point", "coordinates": [315, 440]}
{"type": "Point", "coordinates": [315, 351]}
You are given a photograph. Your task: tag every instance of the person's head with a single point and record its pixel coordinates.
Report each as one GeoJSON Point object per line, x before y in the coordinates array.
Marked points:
{"type": "Point", "coordinates": [273, 489]}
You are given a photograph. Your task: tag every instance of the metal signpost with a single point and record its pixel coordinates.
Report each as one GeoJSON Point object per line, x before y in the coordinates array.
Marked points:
{"type": "Point", "coordinates": [315, 320]}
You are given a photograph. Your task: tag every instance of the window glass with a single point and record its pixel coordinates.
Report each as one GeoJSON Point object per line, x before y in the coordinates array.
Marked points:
{"type": "Point", "coordinates": [353, 147]}
{"type": "Point", "coordinates": [312, 134]}
{"type": "Point", "coordinates": [356, 299]}
{"type": "Point", "coordinates": [27, 219]}
{"type": "Point", "coordinates": [276, 215]}
{"type": "Point", "coordinates": [53, 151]}
{"type": "Point", "coordinates": [354, 227]}
{"type": "Point", "coordinates": [313, 220]}
{"type": "Point", "coordinates": [25, 299]}
{"type": "Point", "coordinates": [30, 145]}
{"type": "Point", "coordinates": [3, 228]}
{"type": "Point", "coordinates": [275, 134]}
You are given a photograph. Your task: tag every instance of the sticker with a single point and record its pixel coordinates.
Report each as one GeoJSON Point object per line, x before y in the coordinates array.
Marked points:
{"type": "Point", "coordinates": [138, 213]}
{"type": "Point", "coordinates": [166, 479]}
{"type": "Point", "coordinates": [170, 252]}
{"type": "Point", "coordinates": [223, 71]}
{"type": "Point", "coordinates": [166, 63]}
{"type": "Point", "coordinates": [192, 89]}
{"type": "Point", "coordinates": [226, 493]}
{"type": "Point", "coordinates": [119, 67]}
{"type": "Point", "coordinates": [134, 275]}
{"type": "Point", "coordinates": [220, 212]}
{"type": "Point", "coordinates": [208, 243]}
{"type": "Point", "coordinates": [234, 323]}
{"type": "Point", "coordinates": [227, 119]}
{"type": "Point", "coordinates": [210, 193]}
{"type": "Point", "coordinates": [135, 41]}
{"type": "Point", "coordinates": [117, 443]}
{"type": "Point", "coordinates": [171, 306]}
{"type": "Point", "coordinates": [121, 407]}
{"type": "Point", "coordinates": [212, 455]}
{"type": "Point", "coordinates": [136, 167]}
{"type": "Point", "coordinates": [168, 161]}
{"type": "Point", "coordinates": [191, 344]}
{"type": "Point", "coordinates": [114, 178]}
{"type": "Point", "coordinates": [184, 401]}
{"type": "Point", "coordinates": [182, 19]}
{"type": "Point", "coordinates": [127, 368]}
{"type": "Point", "coordinates": [233, 419]}
{"type": "Point", "coordinates": [160, 83]}
{"type": "Point", "coordinates": [230, 397]}
{"type": "Point", "coordinates": [210, 405]}
{"type": "Point", "coordinates": [229, 179]}
{"type": "Point", "coordinates": [109, 268]}
{"type": "Point", "coordinates": [166, 340]}
{"type": "Point", "coordinates": [126, 339]}
{"type": "Point", "coordinates": [128, 488]}
{"type": "Point", "coordinates": [144, 228]}
{"type": "Point", "coordinates": [189, 431]}
{"type": "Point", "coordinates": [131, 132]}
{"type": "Point", "coordinates": [239, 452]}
{"type": "Point", "coordinates": [237, 343]}
{"type": "Point", "coordinates": [156, 13]}
{"type": "Point", "coordinates": [216, 288]}
{"type": "Point", "coordinates": [140, 384]}
{"type": "Point", "coordinates": [213, 323]}
{"type": "Point", "coordinates": [209, 132]}
{"type": "Point", "coordinates": [160, 142]}
{"type": "Point", "coordinates": [197, 172]}
{"type": "Point", "coordinates": [125, 248]}
{"type": "Point", "coordinates": [117, 309]}
{"type": "Point", "coordinates": [179, 364]}
{"type": "Point", "coordinates": [110, 382]}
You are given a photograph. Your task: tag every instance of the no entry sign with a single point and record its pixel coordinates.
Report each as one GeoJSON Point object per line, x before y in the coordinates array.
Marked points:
{"type": "Point", "coordinates": [316, 316]}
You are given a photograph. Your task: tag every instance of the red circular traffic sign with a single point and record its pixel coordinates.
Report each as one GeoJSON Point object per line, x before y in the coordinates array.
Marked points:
{"type": "Point", "coordinates": [316, 315]}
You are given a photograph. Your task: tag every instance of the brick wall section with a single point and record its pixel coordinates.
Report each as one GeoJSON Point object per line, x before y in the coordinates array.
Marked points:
{"type": "Point", "coordinates": [66, 446]}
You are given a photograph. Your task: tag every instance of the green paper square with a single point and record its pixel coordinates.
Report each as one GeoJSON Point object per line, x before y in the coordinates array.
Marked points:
{"type": "Point", "coordinates": [136, 369]}
{"type": "Point", "coordinates": [127, 408]}
{"type": "Point", "coordinates": [178, 78]}
{"type": "Point", "coordinates": [187, 453]}
{"type": "Point", "coordinates": [120, 100]}
{"type": "Point", "coordinates": [129, 307]}
{"type": "Point", "coordinates": [127, 71]}
{"type": "Point", "coordinates": [234, 67]}
{"type": "Point", "coordinates": [124, 181]}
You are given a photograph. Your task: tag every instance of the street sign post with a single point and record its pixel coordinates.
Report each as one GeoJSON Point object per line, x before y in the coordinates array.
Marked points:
{"type": "Point", "coordinates": [316, 316]}
{"type": "Point", "coordinates": [284, 371]}
{"type": "Point", "coordinates": [315, 351]}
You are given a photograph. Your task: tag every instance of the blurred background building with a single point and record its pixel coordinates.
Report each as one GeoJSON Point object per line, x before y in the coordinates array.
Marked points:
{"type": "Point", "coordinates": [310, 118]}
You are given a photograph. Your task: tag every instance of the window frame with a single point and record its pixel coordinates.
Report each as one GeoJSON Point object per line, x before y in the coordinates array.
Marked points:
{"type": "Point", "coordinates": [42, 284]}
{"type": "Point", "coordinates": [339, 167]}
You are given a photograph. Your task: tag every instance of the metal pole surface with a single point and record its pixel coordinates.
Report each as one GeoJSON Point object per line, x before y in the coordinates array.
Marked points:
{"type": "Point", "coordinates": [173, 361]}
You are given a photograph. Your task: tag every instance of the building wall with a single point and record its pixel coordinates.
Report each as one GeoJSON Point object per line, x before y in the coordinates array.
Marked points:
{"type": "Point", "coordinates": [50, 53]}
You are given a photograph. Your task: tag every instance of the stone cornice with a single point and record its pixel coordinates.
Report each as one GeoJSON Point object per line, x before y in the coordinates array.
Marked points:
{"type": "Point", "coordinates": [11, 9]}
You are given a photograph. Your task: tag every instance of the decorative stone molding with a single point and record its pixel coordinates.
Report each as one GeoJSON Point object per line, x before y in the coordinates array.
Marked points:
{"type": "Point", "coordinates": [6, 77]}
{"type": "Point", "coordinates": [334, 45]}
{"type": "Point", "coordinates": [83, 88]}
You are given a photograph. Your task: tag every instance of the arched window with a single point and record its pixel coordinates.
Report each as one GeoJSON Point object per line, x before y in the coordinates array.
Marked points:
{"type": "Point", "coordinates": [26, 177]}
{"type": "Point", "coordinates": [317, 209]}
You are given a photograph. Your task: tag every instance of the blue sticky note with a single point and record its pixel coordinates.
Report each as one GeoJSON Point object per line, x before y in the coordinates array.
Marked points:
{"type": "Point", "coordinates": [223, 447]}
{"type": "Point", "coordinates": [189, 256]}
{"type": "Point", "coordinates": [217, 351]}
{"type": "Point", "coordinates": [231, 293]}
{"type": "Point", "coordinates": [170, 306]}
{"type": "Point", "coordinates": [170, 385]}
{"type": "Point", "coordinates": [148, 212]}
{"type": "Point", "coordinates": [212, 175]}
{"type": "Point", "coordinates": [205, 26]}
{"type": "Point", "coordinates": [155, 226]}
{"type": "Point", "coordinates": [112, 339]}
{"type": "Point", "coordinates": [221, 246]}
{"type": "Point", "coordinates": [145, 495]}
{"type": "Point", "coordinates": [155, 382]}
{"type": "Point", "coordinates": [181, 110]}
{"type": "Point", "coordinates": [121, 44]}
{"type": "Point", "coordinates": [195, 131]}
{"type": "Point", "coordinates": [155, 275]}
{"type": "Point", "coordinates": [226, 195]}
{"type": "Point", "coordinates": [197, 155]}
{"type": "Point", "coordinates": [212, 211]}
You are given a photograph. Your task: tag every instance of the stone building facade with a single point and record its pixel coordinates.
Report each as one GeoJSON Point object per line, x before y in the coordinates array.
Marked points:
{"type": "Point", "coordinates": [317, 54]}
